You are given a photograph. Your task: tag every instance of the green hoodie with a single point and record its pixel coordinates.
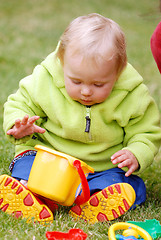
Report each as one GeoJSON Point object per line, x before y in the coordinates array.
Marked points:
{"type": "Point", "coordinates": [127, 119]}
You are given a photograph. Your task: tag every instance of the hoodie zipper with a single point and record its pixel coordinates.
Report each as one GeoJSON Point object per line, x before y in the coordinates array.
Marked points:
{"type": "Point", "coordinates": [88, 121]}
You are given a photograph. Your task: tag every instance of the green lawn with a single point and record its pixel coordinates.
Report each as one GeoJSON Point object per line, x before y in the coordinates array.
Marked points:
{"type": "Point", "coordinates": [29, 31]}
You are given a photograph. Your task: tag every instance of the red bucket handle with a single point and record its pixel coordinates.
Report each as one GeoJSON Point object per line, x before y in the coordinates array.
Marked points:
{"type": "Point", "coordinates": [85, 195]}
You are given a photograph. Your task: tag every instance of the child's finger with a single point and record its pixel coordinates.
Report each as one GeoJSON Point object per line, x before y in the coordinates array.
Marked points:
{"type": "Point", "coordinates": [129, 172]}
{"type": "Point", "coordinates": [117, 154]}
{"type": "Point", "coordinates": [33, 119]}
{"type": "Point", "coordinates": [38, 129]}
{"type": "Point", "coordinates": [25, 120]}
{"type": "Point", "coordinates": [124, 163]}
{"type": "Point", "coordinates": [10, 132]}
{"type": "Point", "coordinates": [119, 159]}
{"type": "Point", "coordinates": [17, 123]}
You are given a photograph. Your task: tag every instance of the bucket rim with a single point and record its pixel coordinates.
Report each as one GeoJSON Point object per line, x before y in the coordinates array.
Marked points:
{"type": "Point", "coordinates": [71, 159]}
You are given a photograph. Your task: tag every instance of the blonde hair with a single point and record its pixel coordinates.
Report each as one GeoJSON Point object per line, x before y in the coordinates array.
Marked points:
{"type": "Point", "coordinates": [94, 36]}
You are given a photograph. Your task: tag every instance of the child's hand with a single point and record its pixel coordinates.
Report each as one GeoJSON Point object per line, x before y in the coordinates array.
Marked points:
{"type": "Point", "coordinates": [25, 127]}
{"type": "Point", "coordinates": [125, 158]}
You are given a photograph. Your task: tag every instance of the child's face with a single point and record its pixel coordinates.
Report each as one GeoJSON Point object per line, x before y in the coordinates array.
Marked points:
{"type": "Point", "coordinates": [87, 82]}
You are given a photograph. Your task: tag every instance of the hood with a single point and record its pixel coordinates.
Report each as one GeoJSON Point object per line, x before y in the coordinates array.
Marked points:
{"type": "Point", "coordinates": [54, 67]}
{"type": "Point", "coordinates": [129, 79]}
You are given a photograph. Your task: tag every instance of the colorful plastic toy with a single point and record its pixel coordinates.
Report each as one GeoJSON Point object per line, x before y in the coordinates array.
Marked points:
{"type": "Point", "coordinates": [73, 234]}
{"type": "Point", "coordinates": [131, 232]}
{"type": "Point", "coordinates": [67, 172]}
{"type": "Point", "coordinates": [152, 226]}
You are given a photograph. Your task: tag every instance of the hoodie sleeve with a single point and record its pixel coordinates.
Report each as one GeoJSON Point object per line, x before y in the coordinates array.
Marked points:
{"type": "Point", "coordinates": [142, 129]}
{"type": "Point", "coordinates": [23, 102]}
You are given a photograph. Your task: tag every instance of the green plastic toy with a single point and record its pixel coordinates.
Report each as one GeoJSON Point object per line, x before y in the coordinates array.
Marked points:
{"type": "Point", "coordinates": [152, 226]}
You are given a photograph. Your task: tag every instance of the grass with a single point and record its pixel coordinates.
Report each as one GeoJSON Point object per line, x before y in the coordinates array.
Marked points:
{"type": "Point", "coordinates": [29, 31]}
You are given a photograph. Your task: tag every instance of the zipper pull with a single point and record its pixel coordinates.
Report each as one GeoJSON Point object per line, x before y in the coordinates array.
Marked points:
{"type": "Point", "coordinates": [88, 119]}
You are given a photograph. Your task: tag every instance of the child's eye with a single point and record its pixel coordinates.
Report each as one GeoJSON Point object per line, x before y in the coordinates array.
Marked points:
{"type": "Point", "coordinates": [99, 84]}
{"type": "Point", "coordinates": [76, 81]}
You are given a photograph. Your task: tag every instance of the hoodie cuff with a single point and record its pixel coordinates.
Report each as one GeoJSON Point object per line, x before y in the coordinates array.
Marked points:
{"type": "Point", "coordinates": [18, 141]}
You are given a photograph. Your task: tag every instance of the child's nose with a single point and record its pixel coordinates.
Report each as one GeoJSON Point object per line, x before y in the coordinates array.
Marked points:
{"type": "Point", "coordinates": [86, 91]}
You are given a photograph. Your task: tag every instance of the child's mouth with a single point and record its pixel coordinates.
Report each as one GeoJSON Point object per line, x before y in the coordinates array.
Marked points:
{"type": "Point", "coordinates": [86, 101]}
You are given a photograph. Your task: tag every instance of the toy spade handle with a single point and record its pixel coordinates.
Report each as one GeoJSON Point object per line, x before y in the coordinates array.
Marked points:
{"type": "Point", "coordinates": [123, 225]}
{"type": "Point", "coordinates": [85, 195]}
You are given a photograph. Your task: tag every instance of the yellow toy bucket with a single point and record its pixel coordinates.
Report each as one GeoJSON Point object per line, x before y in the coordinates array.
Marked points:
{"type": "Point", "coordinates": [57, 176]}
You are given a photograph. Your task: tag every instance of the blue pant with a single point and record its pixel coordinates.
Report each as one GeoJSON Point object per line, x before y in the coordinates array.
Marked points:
{"type": "Point", "coordinates": [97, 181]}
